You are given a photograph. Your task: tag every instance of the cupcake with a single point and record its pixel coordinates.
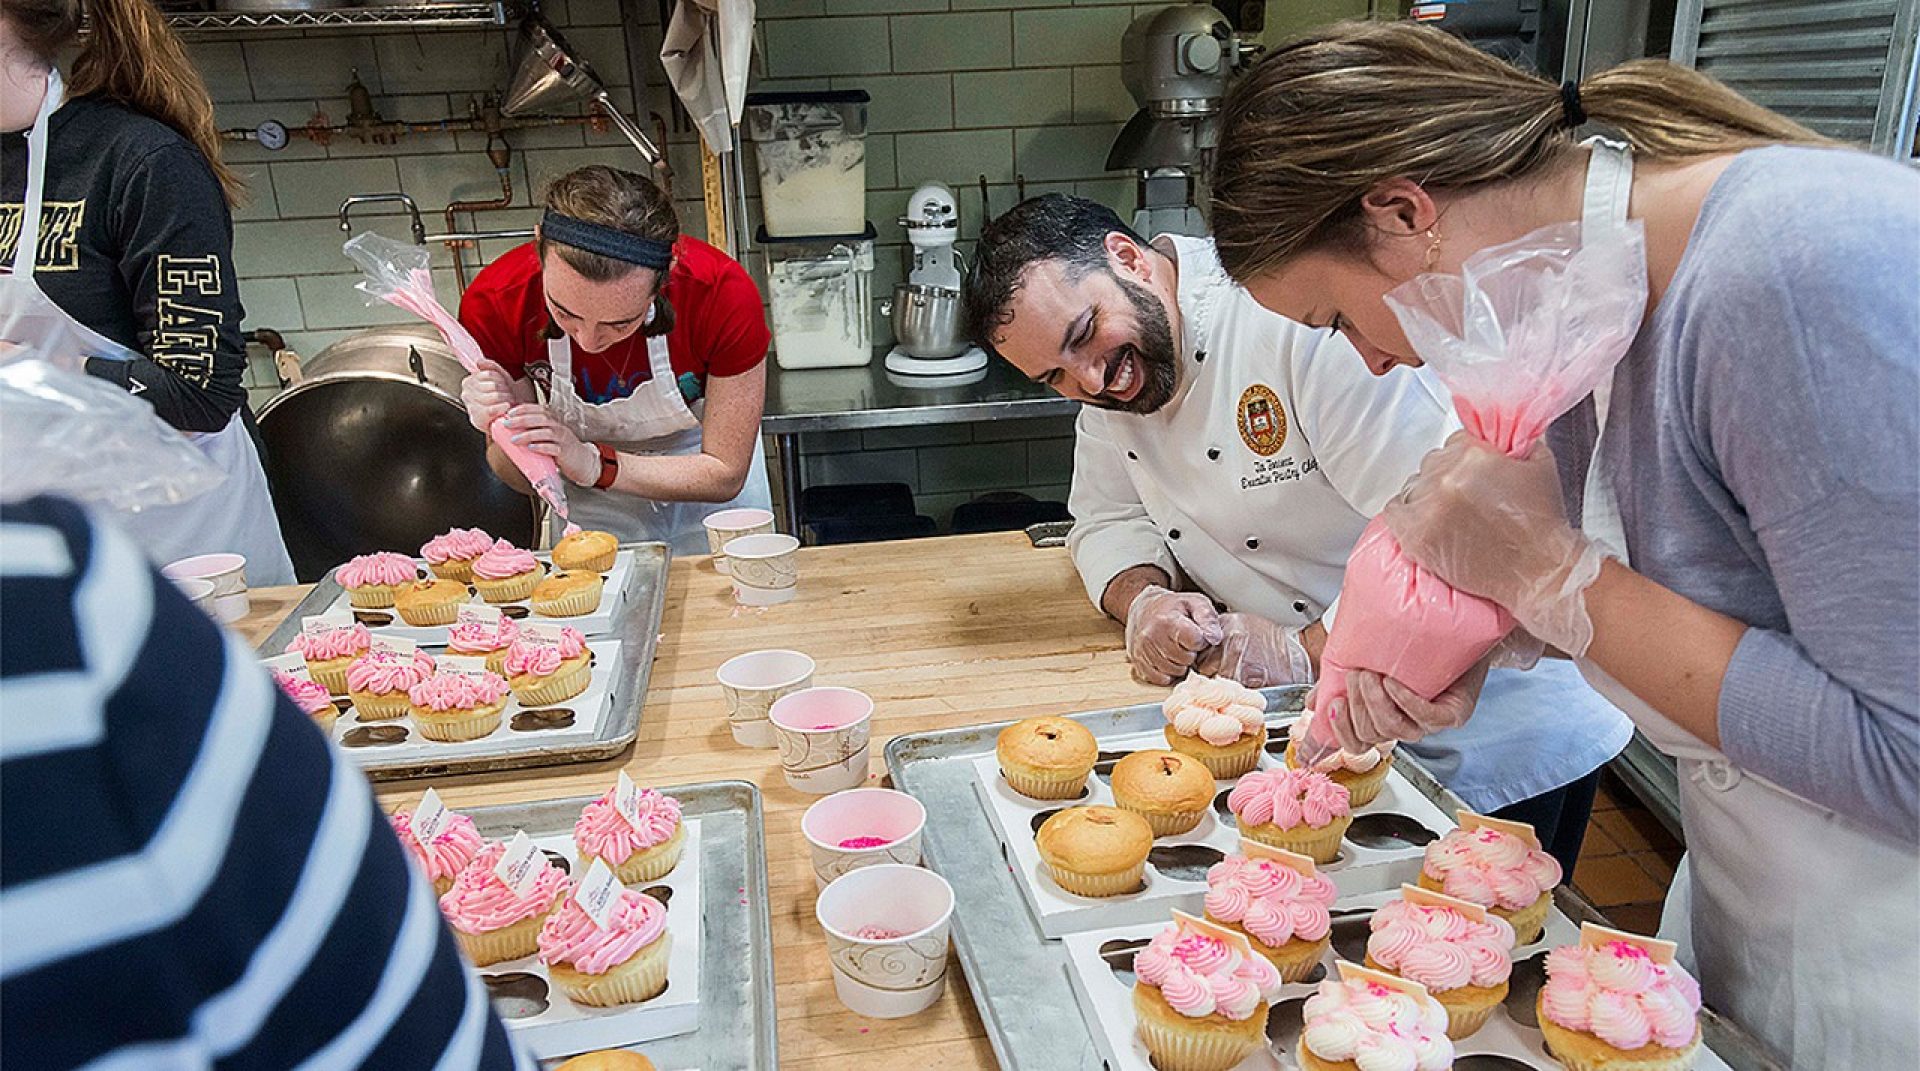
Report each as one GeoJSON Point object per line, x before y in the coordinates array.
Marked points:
{"type": "Point", "coordinates": [1500, 871]}
{"type": "Point", "coordinates": [453, 847]}
{"type": "Point", "coordinates": [588, 550]}
{"type": "Point", "coordinates": [476, 639]}
{"type": "Point", "coordinates": [430, 602]}
{"type": "Point", "coordinates": [1353, 1023]}
{"type": "Point", "coordinates": [490, 922]}
{"type": "Point", "coordinates": [1219, 721]}
{"type": "Point", "coordinates": [1299, 810]}
{"type": "Point", "coordinates": [1285, 915]}
{"type": "Point", "coordinates": [450, 555]}
{"type": "Point", "coordinates": [312, 699]}
{"type": "Point", "coordinates": [378, 682]}
{"type": "Point", "coordinates": [451, 707]}
{"type": "Point", "coordinates": [329, 653]}
{"type": "Point", "coordinates": [644, 852]}
{"type": "Point", "coordinates": [1614, 1008]}
{"type": "Point", "coordinates": [1463, 963]}
{"type": "Point", "coordinates": [624, 963]}
{"type": "Point", "coordinates": [1200, 1000]}
{"type": "Point", "coordinates": [505, 573]}
{"type": "Point", "coordinates": [541, 674]}
{"type": "Point", "coordinates": [1095, 851]}
{"type": "Point", "coordinates": [372, 579]}
{"type": "Point", "coordinates": [1363, 774]}
{"type": "Point", "coordinates": [1047, 758]}
{"type": "Point", "coordinates": [1170, 790]}
{"type": "Point", "coordinates": [573, 594]}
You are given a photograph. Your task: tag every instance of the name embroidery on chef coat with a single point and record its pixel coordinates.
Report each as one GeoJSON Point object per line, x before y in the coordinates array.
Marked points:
{"type": "Point", "coordinates": [1263, 423]}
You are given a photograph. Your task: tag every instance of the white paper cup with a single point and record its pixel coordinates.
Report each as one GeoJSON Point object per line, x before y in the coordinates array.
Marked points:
{"type": "Point", "coordinates": [887, 977]}
{"type": "Point", "coordinates": [198, 591]}
{"type": "Point", "coordinates": [730, 524]}
{"type": "Point", "coordinates": [764, 568]}
{"type": "Point", "coordinates": [229, 575]}
{"type": "Point", "coordinates": [752, 682]}
{"type": "Point", "coordinates": [894, 818]}
{"type": "Point", "coordinates": [823, 735]}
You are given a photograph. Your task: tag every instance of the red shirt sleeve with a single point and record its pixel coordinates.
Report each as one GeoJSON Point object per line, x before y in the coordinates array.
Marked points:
{"type": "Point", "coordinates": [493, 309]}
{"type": "Point", "coordinates": [728, 324]}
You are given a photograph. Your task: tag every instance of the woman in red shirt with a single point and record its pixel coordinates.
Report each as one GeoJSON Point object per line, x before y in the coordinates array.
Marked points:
{"type": "Point", "coordinates": [649, 349]}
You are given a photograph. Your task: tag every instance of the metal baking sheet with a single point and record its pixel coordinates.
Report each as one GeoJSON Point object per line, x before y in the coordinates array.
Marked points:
{"type": "Point", "coordinates": [603, 621]}
{"type": "Point", "coordinates": [638, 629]}
{"type": "Point", "coordinates": [1019, 978]}
{"type": "Point", "coordinates": [736, 1030]}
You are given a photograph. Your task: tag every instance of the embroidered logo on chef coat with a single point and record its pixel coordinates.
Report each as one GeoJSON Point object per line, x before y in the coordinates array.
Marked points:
{"type": "Point", "coordinates": [1263, 423]}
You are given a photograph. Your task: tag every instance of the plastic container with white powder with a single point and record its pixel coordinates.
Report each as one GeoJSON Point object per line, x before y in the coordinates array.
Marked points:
{"type": "Point", "coordinates": [812, 154]}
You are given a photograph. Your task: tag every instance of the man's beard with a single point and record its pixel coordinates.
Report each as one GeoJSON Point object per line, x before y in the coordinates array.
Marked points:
{"type": "Point", "coordinates": [1158, 358]}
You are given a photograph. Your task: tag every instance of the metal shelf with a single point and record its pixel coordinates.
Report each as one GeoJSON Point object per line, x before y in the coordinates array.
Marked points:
{"type": "Point", "coordinates": [393, 17]}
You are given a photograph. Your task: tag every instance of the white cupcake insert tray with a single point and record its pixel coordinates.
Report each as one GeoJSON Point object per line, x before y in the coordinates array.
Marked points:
{"type": "Point", "coordinates": [601, 622]}
{"type": "Point", "coordinates": [571, 721]}
{"type": "Point", "coordinates": [1176, 878]}
{"type": "Point", "coordinates": [1099, 966]}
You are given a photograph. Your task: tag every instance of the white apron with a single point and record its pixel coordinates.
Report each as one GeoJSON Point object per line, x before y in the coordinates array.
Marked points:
{"type": "Point", "coordinates": [655, 420]}
{"type": "Point", "coordinates": [235, 516]}
{"type": "Point", "coordinates": [1797, 921]}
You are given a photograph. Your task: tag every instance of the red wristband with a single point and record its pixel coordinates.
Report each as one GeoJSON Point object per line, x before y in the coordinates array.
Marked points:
{"type": "Point", "coordinates": [609, 467]}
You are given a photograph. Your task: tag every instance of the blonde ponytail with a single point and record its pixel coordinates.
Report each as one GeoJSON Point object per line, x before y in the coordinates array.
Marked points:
{"type": "Point", "coordinates": [1669, 113]}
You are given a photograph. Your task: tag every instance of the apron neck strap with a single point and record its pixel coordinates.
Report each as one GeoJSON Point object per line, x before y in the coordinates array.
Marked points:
{"type": "Point", "coordinates": [29, 240]}
{"type": "Point", "coordinates": [1609, 185]}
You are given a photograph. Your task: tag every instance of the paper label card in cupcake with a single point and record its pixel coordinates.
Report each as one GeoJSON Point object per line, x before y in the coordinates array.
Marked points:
{"type": "Point", "coordinates": [1233, 938]}
{"type": "Point", "coordinates": [394, 645]}
{"type": "Point", "coordinates": [461, 665]}
{"type": "Point", "coordinates": [478, 613]}
{"type": "Point", "coordinates": [317, 625]}
{"type": "Point", "coordinates": [1598, 937]}
{"type": "Point", "coordinates": [428, 818]}
{"type": "Point", "coordinates": [1470, 821]}
{"type": "Point", "coordinates": [1353, 972]}
{"type": "Point", "coordinates": [520, 865]}
{"type": "Point", "coordinates": [540, 634]}
{"type": "Point", "coordinates": [598, 892]}
{"type": "Point", "coordinates": [626, 799]}
{"type": "Point", "coordinates": [1301, 864]}
{"type": "Point", "coordinates": [1415, 895]}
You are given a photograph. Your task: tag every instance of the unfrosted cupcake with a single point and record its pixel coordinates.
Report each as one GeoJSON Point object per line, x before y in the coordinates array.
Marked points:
{"type": "Point", "coordinates": [378, 682]}
{"type": "Point", "coordinates": [589, 550]}
{"type": "Point", "coordinates": [1046, 758]}
{"type": "Point", "coordinates": [372, 580]}
{"type": "Point", "coordinates": [1170, 790]}
{"type": "Point", "coordinates": [1095, 851]}
{"type": "Point", "coordinates": [312, 699]}
{"type": "Point", "coordinates": [1200, 1003]}
{"type": "Point", "coordinates": [489, 921]}
{"type": "Point", "coordinates": [1464, 964]}
{"type": "Point", "coordinates": [574, 594]}
{"type": "Point", "coordinates": [453, 847]}
{"type": "Point", "coordinates": [644, 852]}
{"type": "Point", "coordinates": [1363, 773]}
{"type": "Point", "coordinates": [329, 653]}
{"type": "Point", "coordinates": [623, 963]}
{"type": "Point", "coordinates": [1286, 915]}
{"type": "Point", "coordinates": [425, 603]}
{"type": "Point", "coordinates": [1497, 870]}
{"type": "Point", "coordinates": [1357, 1025]}
{"type": "Point", "coordinates": [450, 554]}
{"type": "Point", "coordinates": [505, 573]}
{"type": "Point", "coordinates": [1299, 810]}
{"type": "Point", "coordinates": [452, 707]}
{"type": "Point", "coordinates": [478, 639]}
{"type": "Point", "coordinates": [1219, 721]}
{"type": "Point", "coordinates": [541, 674]}
{"type": "Point", "coordinates": [1613, 1008]}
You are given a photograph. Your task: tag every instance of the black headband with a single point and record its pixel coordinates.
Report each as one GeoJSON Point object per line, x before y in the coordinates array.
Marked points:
{"type": "Point", "coordinates": [606, 241]}
{"type": "Point", "coordinates": [1570, 110]}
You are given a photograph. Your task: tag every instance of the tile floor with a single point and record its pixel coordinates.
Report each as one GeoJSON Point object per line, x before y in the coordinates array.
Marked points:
{"type": "Point", "coordinates": [1627, 860]}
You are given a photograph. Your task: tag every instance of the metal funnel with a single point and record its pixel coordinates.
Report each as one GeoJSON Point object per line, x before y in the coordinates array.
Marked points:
{"type": "Point", "coordinates": [548, 73]}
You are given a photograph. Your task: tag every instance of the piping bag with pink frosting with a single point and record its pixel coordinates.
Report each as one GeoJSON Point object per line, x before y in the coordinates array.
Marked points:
{"type": "Point", "coordinates": [397, 274]}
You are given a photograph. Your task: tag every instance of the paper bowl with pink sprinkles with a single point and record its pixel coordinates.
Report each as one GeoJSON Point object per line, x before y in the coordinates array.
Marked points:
{"type": "Point", "coordinates": [862, 827]}
{"type": "Point", "coordinates": [887, 928]}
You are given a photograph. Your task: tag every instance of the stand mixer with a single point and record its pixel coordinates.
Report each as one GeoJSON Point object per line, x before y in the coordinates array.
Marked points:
{"type": "Point", "coordinates": [925, 309]}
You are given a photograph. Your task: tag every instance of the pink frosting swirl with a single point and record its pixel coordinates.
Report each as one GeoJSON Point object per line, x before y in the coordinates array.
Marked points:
{"type": "Point", "coordinates": [310, 696]}
{"type": "Point", "coordinates": [458, 691]}
{"type": "Point", "coordinates": [333, 643]}
{"type": "Point", "coordinates": [383, 672]}
{"type": "Point", "coordinates": [457, 543]}
{"type": "Point", "coordinates": [453, 847]}
{"type": "Point", "coordinates": [540, 659]}
{"type": "Point", "coordinates": [1439, 947]}
{"type": "Point", "coordinates": [503, 560]}
{"type": "Point", "coordinates": [480, 902]}
{"type": "Point", "coordinates": [569, 936]}
{"type": "Point", "coordinates": [1201, 975]}
{"type": "Point", "coordinates": [602, 831]}
{"type": "Point", "coordinates": [479, 638]}
{"type": "Point", "coordinates": [385, 567]}
{"type": "Point", "coordinates": [1350, 761]}
{"type": "Point", "coordinates": [1218, 710]}
{"type": "Point", "coordinates": [1620, 995]}
{"type": "Point", "coordinates": [1490, 868]}
{"type": "Point", "coordinates": [1288, 799]}
{"type": "Point", "coordinates": [1273, 903]}
{"type": "Point", "coordinates": [1378, 1028]}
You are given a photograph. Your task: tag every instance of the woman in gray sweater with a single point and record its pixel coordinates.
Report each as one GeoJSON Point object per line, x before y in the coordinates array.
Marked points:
{"type": "Point", "coordinates": [1741, 570]}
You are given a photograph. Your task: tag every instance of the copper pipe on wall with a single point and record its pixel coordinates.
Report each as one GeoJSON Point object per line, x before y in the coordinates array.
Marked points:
{"type": "Point", "coordinates": [501, 156]}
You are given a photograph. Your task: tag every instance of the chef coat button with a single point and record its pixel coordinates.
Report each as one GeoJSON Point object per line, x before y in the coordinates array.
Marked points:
{"type": "Point", "coordinates": [1131, 456]}
{"type": "Point", "coordinates": [1173, 533]}
{"type": "Point", "coordinates": [1299, 606]}
{"type": "Point", "coordinates": [1213, 453]}
{"type": "Point", "coordinates": [1253, 544]}
{"type": "Point", "coordinates": [1200, 356]}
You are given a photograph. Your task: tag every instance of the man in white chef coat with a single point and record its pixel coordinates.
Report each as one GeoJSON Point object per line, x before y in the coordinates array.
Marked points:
{"type": "Point", "coordinates": [1228, 457]}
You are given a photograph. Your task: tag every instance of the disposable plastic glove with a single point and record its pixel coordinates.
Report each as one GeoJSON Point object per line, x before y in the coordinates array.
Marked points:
{"type": "Point", "coordinates": [1258, 653]}
{"type": "Point", "coordinates": [487, 393]}
{"type": "Point", "coordinates": [1496, 527]}
{"type": "Point", "coordinates": [1167, 630]}
{"type": "Point", "coordinates": [1377, 709]}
